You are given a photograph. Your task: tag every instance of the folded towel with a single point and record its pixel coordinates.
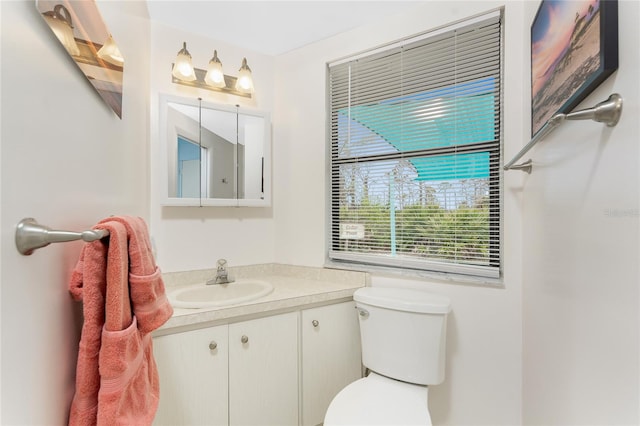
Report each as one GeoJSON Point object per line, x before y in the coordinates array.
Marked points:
{"type": "Point", "coordinates": [150, 303]}
{"type": "Point", "coordinates": [89, 283]}
{"type": "Point", "coordinates": [123, 301]}
{"type": "Point", "coordinates": [129, 384]}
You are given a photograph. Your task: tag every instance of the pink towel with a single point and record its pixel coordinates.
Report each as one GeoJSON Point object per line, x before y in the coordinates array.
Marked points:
{"type": "Point", "coordinates": [123, 302]}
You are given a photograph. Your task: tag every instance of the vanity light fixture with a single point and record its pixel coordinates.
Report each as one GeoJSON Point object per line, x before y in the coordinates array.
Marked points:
{"type": "Point", "coordinates": [213, 78]}
{"type": "Point", "coordinates": [59, 19]}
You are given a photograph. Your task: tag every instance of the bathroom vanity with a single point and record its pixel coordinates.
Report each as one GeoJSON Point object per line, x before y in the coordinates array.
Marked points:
{"type": "Point", "coordinates": [277, 360]}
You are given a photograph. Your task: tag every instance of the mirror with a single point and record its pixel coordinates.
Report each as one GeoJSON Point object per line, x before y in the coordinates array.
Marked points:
{"type": "Point", "coordinates": [214, 155]}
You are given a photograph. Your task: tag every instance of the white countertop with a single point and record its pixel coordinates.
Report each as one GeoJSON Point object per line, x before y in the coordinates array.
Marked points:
{"type": "Point", "coordinates": [294, 287]}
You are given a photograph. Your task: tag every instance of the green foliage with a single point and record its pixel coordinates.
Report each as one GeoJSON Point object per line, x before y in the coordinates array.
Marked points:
{"type": "Point", "coordinates": [425, 231]}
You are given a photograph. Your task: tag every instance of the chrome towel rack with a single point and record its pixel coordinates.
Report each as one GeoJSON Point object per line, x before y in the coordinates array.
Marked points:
{"type": "Point", "coordinates": [607, 112]}
{"type": "Point", "coordinates": [30, 236]}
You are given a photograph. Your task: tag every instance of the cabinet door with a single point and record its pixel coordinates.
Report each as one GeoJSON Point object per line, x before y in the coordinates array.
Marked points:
{"type": "Point", "coordinates": [263, 371]}
{"type": "Point", "coordinates": [330, 356]}
{"type": "Point", "coordinates": [193, 377]}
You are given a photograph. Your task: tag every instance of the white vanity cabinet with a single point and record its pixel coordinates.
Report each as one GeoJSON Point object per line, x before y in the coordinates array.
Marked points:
{"type": "Point", "coordinates": [193, 377]}
{"type": "Point", "coordinates": [263, 371]}
{"type": "Point", "coordinates": [279, 370]}
{"type": "Point", "coordinates": [244, 373]}
{"type": "Point", "coordinates": [331, 358]}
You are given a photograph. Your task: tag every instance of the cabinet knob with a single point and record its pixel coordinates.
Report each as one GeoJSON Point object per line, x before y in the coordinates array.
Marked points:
{"type": "Point", "coordinates": [363, 312]}
{"type": "Point", "coordinates": [315, 323]}
{"type": "Point", "coordinates": [213, 345]}
{"type": "Point", "coordinates": [244, 339]}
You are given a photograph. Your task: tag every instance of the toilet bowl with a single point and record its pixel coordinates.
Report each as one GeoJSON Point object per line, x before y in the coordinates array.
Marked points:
{"type": "Point", "coordinates": [378, 400]}
{"type": "Point", "coordinates": [402, 333]}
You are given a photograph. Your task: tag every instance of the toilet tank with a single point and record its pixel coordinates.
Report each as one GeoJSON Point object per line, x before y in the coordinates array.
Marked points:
{"type": "Point", "coordinates": [403, 333]}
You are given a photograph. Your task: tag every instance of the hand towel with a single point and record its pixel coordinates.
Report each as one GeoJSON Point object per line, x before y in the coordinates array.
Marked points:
{"type": "Point", "coordinates": [150, 304]}
{"type": "Point", "coordinates": [123, 301]}
{"type": "Point", "coordinates": [88, 283]}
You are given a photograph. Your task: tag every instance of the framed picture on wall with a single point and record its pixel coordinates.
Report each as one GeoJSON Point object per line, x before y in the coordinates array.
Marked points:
{"type": "Point", "coordinates": [574, 48]}
{"type": "Point", "coordinates": [80, 28]}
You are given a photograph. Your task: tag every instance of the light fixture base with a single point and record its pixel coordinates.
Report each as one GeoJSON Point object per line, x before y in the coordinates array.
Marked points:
{"type": "Point", "coordinates": [229, 80]}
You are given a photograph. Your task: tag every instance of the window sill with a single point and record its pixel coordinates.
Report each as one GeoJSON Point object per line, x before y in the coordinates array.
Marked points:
{"type": "Point", "coordinates": [413, 274]}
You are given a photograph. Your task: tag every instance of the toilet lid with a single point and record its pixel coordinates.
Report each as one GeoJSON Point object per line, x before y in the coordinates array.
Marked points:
{"type": "Point", "coordinates": [377, 400]}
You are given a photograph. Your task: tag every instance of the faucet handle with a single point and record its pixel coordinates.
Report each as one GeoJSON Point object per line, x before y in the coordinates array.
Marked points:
{"type": "Point", "coordinates": [222, 263]}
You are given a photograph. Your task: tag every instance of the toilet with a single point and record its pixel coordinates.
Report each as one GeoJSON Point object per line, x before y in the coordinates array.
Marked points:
{"type": "Point", "coordinates": [403, 346]}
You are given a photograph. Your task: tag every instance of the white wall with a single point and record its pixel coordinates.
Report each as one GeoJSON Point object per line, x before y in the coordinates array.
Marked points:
{"type": "Point", "coordinates": [68, 161]}
{"type": "Point", "coordinates": [580, 251]}
{"type": "Point", "coordinates": [195, 237]}
{"type": "Point", "coordinates": [557, 344]}
{"type": "Point", "coordinates": [483, 384]}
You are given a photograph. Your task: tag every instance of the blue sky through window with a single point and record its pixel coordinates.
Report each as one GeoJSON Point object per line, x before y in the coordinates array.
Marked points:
{"type": "Point", "coordinates": [460, 115]}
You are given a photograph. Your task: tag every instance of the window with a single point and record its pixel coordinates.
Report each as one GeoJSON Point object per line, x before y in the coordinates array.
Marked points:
{"type": "Point", "coordinates": [193, 169]}
{"type": "Point", "coordinates": [415, 138]}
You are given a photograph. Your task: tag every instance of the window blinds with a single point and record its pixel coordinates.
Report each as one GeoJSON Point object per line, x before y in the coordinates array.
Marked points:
{"type": "Point", "coordinates": [415, 138]}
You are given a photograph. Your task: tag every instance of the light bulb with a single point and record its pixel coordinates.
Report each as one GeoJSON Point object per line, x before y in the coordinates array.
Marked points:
{"type": "Point", "coordinates": [245, 81]}
{"type": "Point", "coordinates": [182, 69]}
{"type": "Point", "coordinates": [215, 75]}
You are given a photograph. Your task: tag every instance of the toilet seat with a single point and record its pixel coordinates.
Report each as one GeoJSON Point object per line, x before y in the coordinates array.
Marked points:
{"type": "Point", "coordinates": [378, 400]}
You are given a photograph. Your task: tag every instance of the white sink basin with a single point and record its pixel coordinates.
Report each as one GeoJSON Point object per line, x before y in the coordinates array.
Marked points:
{"type": "Point", "coordinates": [206, 296]}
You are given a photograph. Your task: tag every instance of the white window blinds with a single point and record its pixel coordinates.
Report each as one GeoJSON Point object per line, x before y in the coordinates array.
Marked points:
{"type": "Point", "coordinates": [415, 138]}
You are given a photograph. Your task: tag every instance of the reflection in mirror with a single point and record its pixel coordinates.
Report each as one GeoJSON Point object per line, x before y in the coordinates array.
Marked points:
{"type": "Point", "coordinates": [215, 154]}
{"type": "Point", "coordinates": [219, 135]}
{"type": "Point", "coordinates": [250, 156]}
{"type": "Point", "coordinates": [80, 28]}
{"type": "Point", "coordinates": [192, 165]}
{"type": "Point", "coordinates": [206, 152]}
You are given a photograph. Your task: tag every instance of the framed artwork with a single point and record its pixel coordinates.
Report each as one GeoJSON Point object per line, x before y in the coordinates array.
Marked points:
{"type": "Point", "coordinates": [574, 48]}
{"type": "Point", "coordinates": [78, 25]}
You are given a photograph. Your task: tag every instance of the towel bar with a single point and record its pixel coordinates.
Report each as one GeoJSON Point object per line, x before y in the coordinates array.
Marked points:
{"type": "Point", "coordinates": [607, 111]}
{"type": "Point", "coordinates": [30, 235]}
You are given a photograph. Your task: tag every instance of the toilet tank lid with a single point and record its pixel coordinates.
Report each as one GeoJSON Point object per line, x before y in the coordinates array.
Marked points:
{"type": "Point", "coordinates": [403, 299]}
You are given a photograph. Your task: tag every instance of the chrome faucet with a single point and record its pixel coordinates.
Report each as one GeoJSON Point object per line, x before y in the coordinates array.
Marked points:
{"type": "Point", "coordinates": [222, 275]}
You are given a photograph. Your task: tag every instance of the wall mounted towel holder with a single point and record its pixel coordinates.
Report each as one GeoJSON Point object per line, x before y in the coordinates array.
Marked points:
{"type": "Point", "coordinates": [607, 112]}
{"type": "Point", "coordinates": [30, 236]}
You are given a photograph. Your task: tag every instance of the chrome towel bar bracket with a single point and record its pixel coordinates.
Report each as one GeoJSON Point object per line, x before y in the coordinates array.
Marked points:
{"type": "Point", "coordinates": [607, 112]}
{"type": "Point", "coordinates": [30, 235]}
